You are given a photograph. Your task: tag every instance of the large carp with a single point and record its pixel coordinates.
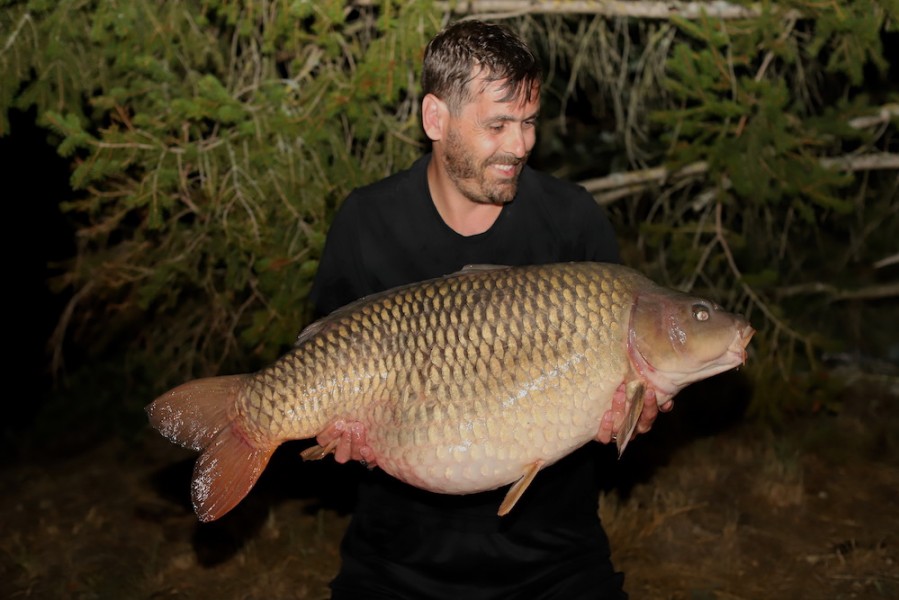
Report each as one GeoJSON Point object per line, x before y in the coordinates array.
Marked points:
{"type": "Point", "coordinates": [459, 384]}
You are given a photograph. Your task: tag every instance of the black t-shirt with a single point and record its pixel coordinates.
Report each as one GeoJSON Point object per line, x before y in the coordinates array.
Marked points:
{"type": "Point", "coordinates": [390, 233]}
{"type": "Point", "coordinates": [407, 541]}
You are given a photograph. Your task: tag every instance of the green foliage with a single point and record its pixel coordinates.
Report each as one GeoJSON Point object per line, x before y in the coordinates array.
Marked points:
{"type": "Point", "coordinates": [851, 33]}
{"type": "Point", "coordinates": [748, 102]}
{"type": "Point", "coordinates": [211, 142]}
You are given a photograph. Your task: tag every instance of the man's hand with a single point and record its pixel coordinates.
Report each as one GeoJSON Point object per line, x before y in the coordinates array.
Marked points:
{"type": "Point", "coordinates": [614, 418]}
{"type": "Point", "coordinates": [651, 410]}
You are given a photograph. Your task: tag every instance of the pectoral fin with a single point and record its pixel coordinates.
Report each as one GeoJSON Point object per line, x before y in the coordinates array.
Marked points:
{"type": "Point", "coordinates": [519, 487]}
{"type": "Point", "coordinates": [635, 391]}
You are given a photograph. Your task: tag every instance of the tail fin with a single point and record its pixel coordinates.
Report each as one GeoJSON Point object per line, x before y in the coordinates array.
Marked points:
{"type": "Point", "coordinates": [200, 415]}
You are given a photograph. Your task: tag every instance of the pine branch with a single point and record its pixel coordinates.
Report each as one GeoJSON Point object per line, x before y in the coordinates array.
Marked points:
{"type": "Point", "coordinates": [611, 188]}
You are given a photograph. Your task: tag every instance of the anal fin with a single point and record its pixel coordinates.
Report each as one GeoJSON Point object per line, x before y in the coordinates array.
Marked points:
{"type": "Point", "coordinates": [519, 487]}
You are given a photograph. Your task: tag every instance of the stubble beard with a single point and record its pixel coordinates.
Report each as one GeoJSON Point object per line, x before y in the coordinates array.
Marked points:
{"type": "Point", "coordinates": [471, 178]}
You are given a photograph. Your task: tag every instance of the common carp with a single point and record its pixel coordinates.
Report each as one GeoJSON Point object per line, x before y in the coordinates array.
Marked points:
{"type": "Point", "coordinates": [460, 384]}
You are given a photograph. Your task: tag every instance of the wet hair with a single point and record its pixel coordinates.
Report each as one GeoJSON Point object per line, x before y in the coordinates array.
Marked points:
{"type": "Point", "coordinates": [467, 50]}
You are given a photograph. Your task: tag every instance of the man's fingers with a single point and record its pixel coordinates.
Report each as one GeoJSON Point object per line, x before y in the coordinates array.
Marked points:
{"type": "Point", "coordinates": [649, 414]}
{"type": "Point", "coordinates": [604, 435]}
{"type": "Point", "coordinates": [343, 452]}
{"type": "Point", "coordinates": [347, 442]}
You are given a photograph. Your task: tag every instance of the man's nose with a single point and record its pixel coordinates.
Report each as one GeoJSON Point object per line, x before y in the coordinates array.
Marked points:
{"type": "Point", "coordinates": [516, 142]}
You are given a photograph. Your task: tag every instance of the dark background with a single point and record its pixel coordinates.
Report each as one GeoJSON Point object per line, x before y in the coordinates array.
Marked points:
{"type": "Point", "coordinates": [37, 235]}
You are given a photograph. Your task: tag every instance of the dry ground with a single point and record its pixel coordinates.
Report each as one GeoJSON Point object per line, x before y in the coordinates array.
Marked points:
{"type": "Point", "coordinates": [729, 510]}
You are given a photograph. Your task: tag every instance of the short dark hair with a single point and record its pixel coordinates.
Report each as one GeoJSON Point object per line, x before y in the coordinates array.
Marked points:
{"type": "Point", "coordinates": [469, 49]}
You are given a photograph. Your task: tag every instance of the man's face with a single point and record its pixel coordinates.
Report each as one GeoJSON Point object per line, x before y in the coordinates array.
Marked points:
{"type": "Point", "coordinates": [488, 143]}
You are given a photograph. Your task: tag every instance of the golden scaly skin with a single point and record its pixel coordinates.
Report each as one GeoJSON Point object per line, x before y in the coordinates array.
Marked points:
{"type": "Point", "coordinates": [460, 382]}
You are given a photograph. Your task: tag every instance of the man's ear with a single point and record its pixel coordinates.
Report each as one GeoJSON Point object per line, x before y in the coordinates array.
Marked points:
{"type": "Point", "coordinates": [434, 116]}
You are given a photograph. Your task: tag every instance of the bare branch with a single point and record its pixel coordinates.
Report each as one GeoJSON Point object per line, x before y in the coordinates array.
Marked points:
{"type": "Point", "coordinates": [612, 187]}
{"type": "Point", "coordinates": [641, 9]}
{"type": "Point", "coordinates": [618, 185]}
{"type": "Point", "coordinates": [887, 112]}
{"type": "Point", "coordinates": [26, 19]}
{"type": "Point", "coordinates": [875, 292]}
{"type": "Point", "coordinates": [59, 332]}
{"type": "Point", "coordinates": [886, 262]}
{"type": "Point", "coordinates": [750, 293]}
{"type": "Point", "coordinates": [863, 162]}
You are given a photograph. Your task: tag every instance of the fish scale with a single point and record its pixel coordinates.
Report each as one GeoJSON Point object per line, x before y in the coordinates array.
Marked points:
{"type": "Point", "coordinates": [460, 384]}
{"type": "Point", "coordinates": [535, 376]}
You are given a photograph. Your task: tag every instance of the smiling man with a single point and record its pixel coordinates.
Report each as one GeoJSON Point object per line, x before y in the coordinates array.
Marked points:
{"type": "Point", "coordinates": [472, 200]}
{"type": "Point", "coordinates": [481, 140]}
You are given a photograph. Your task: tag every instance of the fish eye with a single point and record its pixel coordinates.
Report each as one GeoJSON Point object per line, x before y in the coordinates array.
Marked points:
{"type": "Point", "coordinates": [701, 312]}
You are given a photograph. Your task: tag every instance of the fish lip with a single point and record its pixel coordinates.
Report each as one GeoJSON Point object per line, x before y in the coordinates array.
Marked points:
{"type": "Point", "coordinates": [736, 354]}
{"type": "Point", "coordinates": [745, 334]}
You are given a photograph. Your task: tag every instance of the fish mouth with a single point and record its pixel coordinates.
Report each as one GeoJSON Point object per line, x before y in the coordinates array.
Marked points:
{"type": "Point", "coordinates": [736, 354]}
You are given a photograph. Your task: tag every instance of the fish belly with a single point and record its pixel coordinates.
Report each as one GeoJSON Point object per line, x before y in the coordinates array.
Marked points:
{"type": "Point", "coordinates": [483, 441]}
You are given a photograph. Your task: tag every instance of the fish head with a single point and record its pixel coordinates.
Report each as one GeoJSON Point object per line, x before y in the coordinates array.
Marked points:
{"type": "Point", "coordinates": [675, 339]}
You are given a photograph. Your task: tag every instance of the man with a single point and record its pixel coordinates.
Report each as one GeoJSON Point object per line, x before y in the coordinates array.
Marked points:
{"type": "Point", "coordinates": [472, 200]}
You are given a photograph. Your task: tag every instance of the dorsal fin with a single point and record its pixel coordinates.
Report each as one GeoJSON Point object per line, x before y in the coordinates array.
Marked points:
{"type": "Point", "coordinates": [468, 269]}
